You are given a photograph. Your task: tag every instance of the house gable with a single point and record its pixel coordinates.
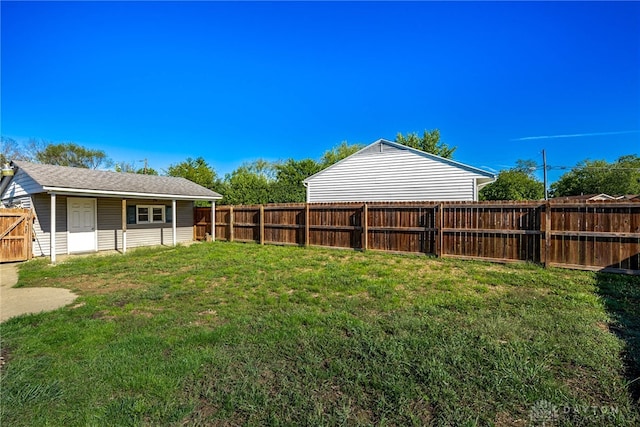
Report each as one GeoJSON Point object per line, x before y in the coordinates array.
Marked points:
{"type": "Point", "coordinates": [20, 186]}
{"type": "Point", "coordinates": [387, 171]}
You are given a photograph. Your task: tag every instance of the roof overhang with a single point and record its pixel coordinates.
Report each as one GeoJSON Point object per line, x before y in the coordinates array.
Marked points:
{"type": "Point", "coordinates": [4, 183]}
{"type": "Point", "coordinates": [483, 182]}
{"type": "Point", "coordinates": [124, 194]}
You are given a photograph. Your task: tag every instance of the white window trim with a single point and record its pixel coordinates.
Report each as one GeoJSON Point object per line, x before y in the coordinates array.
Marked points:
{"type": "Point", "coordinates": [150, 210]}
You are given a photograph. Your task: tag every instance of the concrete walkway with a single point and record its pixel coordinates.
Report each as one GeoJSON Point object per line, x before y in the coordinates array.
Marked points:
{"type": "Point", "coordinates": [14, 302]}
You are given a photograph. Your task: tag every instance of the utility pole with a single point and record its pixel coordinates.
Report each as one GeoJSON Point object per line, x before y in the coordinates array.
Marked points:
{"type": "Point", "coordinates": [144, 170]}
{"type": "Point", "coordinates": [544, 165]}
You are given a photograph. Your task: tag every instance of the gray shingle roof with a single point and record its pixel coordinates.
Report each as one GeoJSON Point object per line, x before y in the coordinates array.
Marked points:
{"type": "Point", "coordinates": [116, 182]}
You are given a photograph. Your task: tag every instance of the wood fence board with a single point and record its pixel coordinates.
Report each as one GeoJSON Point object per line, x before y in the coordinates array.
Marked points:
{"type": "Point", "coordinates": [16, 235]}
{"type": "Point", "coordinates": [634, 227]}
{"type": "Point", "coordinates": [603, 235]}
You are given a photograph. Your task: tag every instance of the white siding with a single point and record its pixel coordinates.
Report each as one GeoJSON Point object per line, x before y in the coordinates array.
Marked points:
{"type": "Point", "coordinates": [25, 202]}
{"type": "Point", "coordinates": [392, 174]}
{"type": "Point", "coordinates": [22, 185]}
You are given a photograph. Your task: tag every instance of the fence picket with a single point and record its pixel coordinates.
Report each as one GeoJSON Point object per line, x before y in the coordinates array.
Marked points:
{"type": "Point", "coordinates": [602, 236]}
{"type": "Point", "coordinates": [16, 233]}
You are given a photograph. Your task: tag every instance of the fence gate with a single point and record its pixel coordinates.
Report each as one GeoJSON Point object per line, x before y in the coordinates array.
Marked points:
{"type": "Point", "coordinates": [16, 230]}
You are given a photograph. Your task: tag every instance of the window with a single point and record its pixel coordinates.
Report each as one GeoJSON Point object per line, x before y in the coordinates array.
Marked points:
{"type": "Point", "coordinates": [143, 214]}
{"type": "Point", "coordinates": [150, 214]}
{"type": "Point", "coordinates": [157, 214]}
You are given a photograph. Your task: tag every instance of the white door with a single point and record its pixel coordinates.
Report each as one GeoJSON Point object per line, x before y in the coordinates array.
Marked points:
{"type": "Point", "coordinates": [81, 222]}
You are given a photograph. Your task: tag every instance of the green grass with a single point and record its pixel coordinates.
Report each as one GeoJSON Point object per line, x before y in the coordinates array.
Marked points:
{"type": "Point", "coordinates": [240, 334]}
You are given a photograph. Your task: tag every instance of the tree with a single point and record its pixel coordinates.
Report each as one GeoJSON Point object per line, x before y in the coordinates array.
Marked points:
{"type": "Point", "coordinates": [71, 154]}
{"type": "Point", "coordinates": [196, 170]}
{"type": "Point", "coordinates": [517, 183]}
{"type": "Point", "coordinates": [598, 176]}
{"type": "Point", "coordinates": [288, 187]}
{"type": "Point", "coordinates": [262, 168]}
{"type": "Point", "coordinates": [262, 182]}
{"type": "Point", "coordinates": [131, 168]}
{"type": "Point", "coordinates": [429, 143]}
{"type": "Point", "coordinates": [147, 171]}
{"type": "Point", "coordinates": [10, 150]}
{"type": "Point", "coordinates": [338, 153]}
{"type": "Point", "coordinates": [249, 184]}
{"type": "Point", "coordinates": [125, 167]}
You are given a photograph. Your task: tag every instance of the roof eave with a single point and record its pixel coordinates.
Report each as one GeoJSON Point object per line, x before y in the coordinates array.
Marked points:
{"type": "Point", "coordinates": [444, 159]}
{"type": "Point", "coordinates": [126, 194]}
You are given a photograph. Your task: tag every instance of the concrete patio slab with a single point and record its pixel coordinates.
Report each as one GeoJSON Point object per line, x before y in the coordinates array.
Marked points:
{"type": "Point", "coordinates": [14, 302]}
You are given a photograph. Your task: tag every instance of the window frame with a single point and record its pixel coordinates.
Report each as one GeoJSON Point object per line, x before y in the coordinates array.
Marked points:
{"type": "Point", "coordinates": [150, 214]}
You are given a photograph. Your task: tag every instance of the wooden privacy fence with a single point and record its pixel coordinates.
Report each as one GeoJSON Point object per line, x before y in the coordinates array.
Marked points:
{"type": "Point", "coordinates": [16, 231]}
{"type": "Point", "coordinates": [587, 235]}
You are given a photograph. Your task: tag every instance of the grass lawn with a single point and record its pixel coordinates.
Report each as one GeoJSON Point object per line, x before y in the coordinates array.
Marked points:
{"type": "Point", "coordinates": [241, 334]}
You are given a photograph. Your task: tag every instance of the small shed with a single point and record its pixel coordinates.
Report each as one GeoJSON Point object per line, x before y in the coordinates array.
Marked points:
{"type": "Point", "coordinates": [84, 210]}
{"type": "Point", "coordinates": [388, 171]}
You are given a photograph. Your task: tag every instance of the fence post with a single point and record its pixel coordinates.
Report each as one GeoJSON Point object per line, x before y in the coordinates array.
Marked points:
{"type": "Point", "coordinates": [32, 234]}
{"type": "Point", "coordinates": [306, 224]}
{"type": "Point", "coordinates": [262, 224]}
{"type": "Point", "coordinates": [439, 227]}
{"type": "Point", "coordinates": [547, 232]}
{"type": "Point", "coordinates": [365, 227]}
{"type": "Point", "coordinates": [231, 224]}
{"type": "Point", "coordinates": [213, 221]}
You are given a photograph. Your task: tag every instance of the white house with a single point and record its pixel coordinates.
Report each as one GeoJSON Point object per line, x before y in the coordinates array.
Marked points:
{"type": "Point", "coordinates": [388, 171]}
{"type": "Point", "coordinates": [85, 210]}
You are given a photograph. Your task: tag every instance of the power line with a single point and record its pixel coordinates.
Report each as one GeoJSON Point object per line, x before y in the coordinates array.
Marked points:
{"type": "Point", "coordinates": [549, 167]}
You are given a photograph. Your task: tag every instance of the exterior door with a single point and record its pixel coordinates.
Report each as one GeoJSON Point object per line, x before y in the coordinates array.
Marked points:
{"type": "Point", "coordinates": [81, 223]}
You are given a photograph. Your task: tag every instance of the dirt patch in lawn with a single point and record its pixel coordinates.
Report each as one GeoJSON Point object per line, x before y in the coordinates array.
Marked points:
{"type": "Point", "coordinates": [91, 284]}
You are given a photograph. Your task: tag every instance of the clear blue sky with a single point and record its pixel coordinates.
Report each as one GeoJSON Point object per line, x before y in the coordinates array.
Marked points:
{"type": "Point", "coordinates": [233, 82]}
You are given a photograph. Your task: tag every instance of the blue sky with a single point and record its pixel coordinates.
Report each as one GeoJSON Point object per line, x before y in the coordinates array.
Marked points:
{"type": "Point", "coordinates": [233, 82]}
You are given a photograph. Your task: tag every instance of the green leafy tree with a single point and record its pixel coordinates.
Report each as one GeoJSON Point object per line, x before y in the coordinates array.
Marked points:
{"type": "Point", "coordinates": [517, 183]}
{"type": "Point", "coordinates": [261, 182]}
{"type": "Point", "coordinates": [71, 154]}
{"type": "Point", "coordinates": [599, 176]}
{"type": "Point", "coordinates": [196, 170]}
{"type": "Point", "coordinates": [288, 187]}
{"type": "Point", "coordinates": [249, 184]}
{"type": "Point", "coordinates": [429, 143]}
{"type": "Point", "coordinates": [262, 168]}
{"type": "Point", "coordinates": [147, 171]}
{"type": "Point", "coordinates": [338, 153]}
